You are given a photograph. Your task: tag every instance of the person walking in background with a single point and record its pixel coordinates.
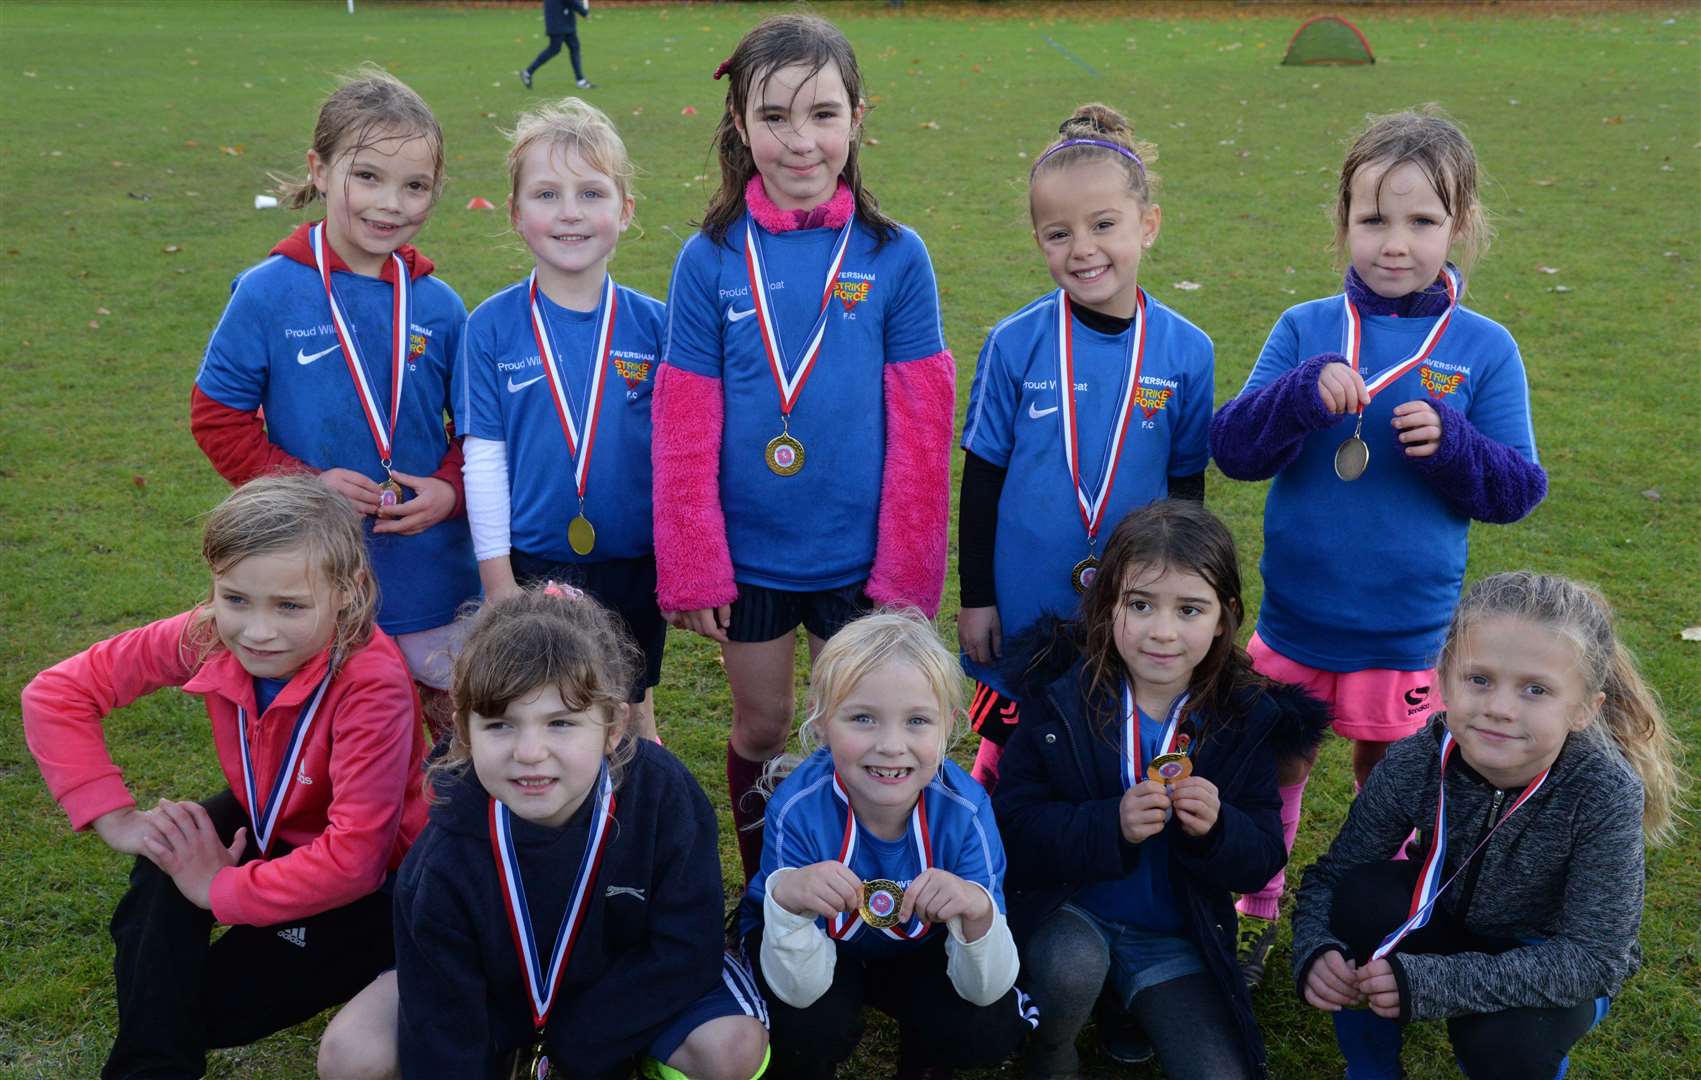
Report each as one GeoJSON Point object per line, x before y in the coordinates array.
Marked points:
{"type": "Point", "coordinates": [560, 22]}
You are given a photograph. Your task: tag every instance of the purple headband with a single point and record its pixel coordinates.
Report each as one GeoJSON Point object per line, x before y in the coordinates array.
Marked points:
{"type": "Point", "coordinates": [1067, 143]}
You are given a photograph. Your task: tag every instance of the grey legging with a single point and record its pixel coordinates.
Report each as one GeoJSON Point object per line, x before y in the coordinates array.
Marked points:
{"type": "Point", "coordinates": [1064, 968]}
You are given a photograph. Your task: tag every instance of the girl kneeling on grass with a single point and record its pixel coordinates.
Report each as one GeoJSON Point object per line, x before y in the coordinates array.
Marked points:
{"type": "Point", "coordinates": [318, 730]}
{"type": "Point", "coordinates": [1534, 793]}
{"type": "Point", "coordinates": [565, 903]}
{"type": "Point", "coordinates": [882, 873]}
{"type": "Point", "coordinates": [1139, 792]}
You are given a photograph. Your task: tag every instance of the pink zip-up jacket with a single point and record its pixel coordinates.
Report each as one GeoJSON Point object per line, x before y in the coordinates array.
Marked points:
{"type": "Point", "coordinates": [355, 802]}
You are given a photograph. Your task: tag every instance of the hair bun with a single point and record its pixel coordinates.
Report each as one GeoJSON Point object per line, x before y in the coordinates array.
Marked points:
{"type": "Point", "coordinates": [1095, 119]}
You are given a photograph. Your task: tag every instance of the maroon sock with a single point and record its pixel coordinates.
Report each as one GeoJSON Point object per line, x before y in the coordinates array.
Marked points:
{"type": "Point", "coordinates": [748, 807]}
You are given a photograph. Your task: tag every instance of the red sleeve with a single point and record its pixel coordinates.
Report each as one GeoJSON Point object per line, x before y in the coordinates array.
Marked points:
{"type": "Point", "coordinates": [915, 488]}
{"type": "Point", "coordinates": [64, 705]}
{"type": "Point", "coordinates": [372, 730]}
{"type": "Point", "coordinates": [235, 441]}
{"type": "Point", "coordinates": [449, 470]}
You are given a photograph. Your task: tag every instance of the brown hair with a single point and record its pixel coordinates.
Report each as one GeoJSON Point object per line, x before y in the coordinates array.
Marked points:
{"type": "Point", "coordinates": [1424, 137]}
{"type": "Point", "coordinates": [1630, 712]}
{"type": "Point", "coordinates": [547, 636]}
{"type": "Point", "coordinates": [1175, 534]}
{"type": "Point", "coordinates": [274, 514]}
{"type": "Point", "coordinates": [1105, 124]}
{"type": "Point", "coordinates": [571, 123]}
{"type": "Point", "coordinates": [776, 42]}
{"type": "Point", "coordinates": [370, 107]}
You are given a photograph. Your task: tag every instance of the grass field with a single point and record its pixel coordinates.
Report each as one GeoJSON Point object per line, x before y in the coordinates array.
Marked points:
{"type": "Point", "coordinates": [136, 136]}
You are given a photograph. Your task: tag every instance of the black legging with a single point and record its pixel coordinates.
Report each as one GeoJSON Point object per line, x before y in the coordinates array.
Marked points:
{"type": "Point", "coordinates": [571, 38]}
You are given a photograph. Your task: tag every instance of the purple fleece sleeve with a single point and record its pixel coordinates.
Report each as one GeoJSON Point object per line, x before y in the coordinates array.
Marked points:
{"type": "Point", "coordinates": [1481, 478]}
{"type": "Point", "coordinates": [1256, 434]}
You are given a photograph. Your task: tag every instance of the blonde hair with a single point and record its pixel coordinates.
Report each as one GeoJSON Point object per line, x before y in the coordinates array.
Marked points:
{"type": "Point", "coordinates": [1427, 138]}
{"type": "Point", "coordinates": [547, 636]}
{"type": "Point", "coordinates": [274, 514]}
{"type": "Point", "coordinates": [371, 106]}
{"type": "Point", "coordinates": [1104, 124]}
{"type": "Point", "coordinates": [1630, 712]}
{"type": "Point", "coordinates": [889, 635]}
{"type": "Point", "coordinates": [571, 123]}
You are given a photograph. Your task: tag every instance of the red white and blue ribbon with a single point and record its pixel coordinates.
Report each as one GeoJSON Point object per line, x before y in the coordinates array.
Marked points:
{"type": "Point", "coordinates": [846, 923]}
{"type": "Point", "coordinates": [1092, 501]}
{"type": "Point", "coordinates": [1131, 773]}
{"type": "Point", "coordinates": [790, 372]}
{"type": "Point", "coordinates": [383, 434]}
{"type": "Point", "coordinates": [581, 435]}
{"type": "Point", "coordinates": [1427, 891]}
{"type": "Point", "coordinates": [1352, 339]}
{"type": "Point", "coordinates": [265, 818]}
{"type": "Point", "coordinates": [544, 978]}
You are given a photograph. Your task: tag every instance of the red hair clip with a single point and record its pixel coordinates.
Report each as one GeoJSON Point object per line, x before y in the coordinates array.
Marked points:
{"type": "Point", "coordinates": [565, 592]}
{"type": "Point", "coordinates": [722, 70]}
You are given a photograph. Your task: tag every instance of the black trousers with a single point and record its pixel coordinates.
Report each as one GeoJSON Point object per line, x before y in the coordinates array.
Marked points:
{"type": "Point", "coordinates": [935, 1025]}
{"type": "Point", "coordinates": [180, 993]}
{"type": "Point", "coordinates": [571, 40]}
{"type": "Point", "coordinates": [1512, 1044]}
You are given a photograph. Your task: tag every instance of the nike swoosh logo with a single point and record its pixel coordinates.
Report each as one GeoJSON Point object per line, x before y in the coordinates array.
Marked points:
{"type": "Point", "coordinates": [1039, 414]}
{"type": "Point", "coordinates": [302, 357]}
{"type": "Point", "coordinates": [514, 387]}
{"type": "Point", "coordinates": [734, 316]}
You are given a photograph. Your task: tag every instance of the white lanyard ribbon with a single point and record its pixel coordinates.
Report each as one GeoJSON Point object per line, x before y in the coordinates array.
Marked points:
{"type": "Point", "coordinates": [1131, 734]}
{"type": "Point", "coordinates": [383, 436]}
{"type": "Point", "coordinates": [542, 982]}
{"type": "Point", "coordinates": [1092, 502]}
{"type": "Point", "coordinates": [1428, 891]}
{"type": "Point", "coordinates": [790, 373]}
{"type": "Point", "coordinates": [265, 818]}
{"type": "Point", "coordinates": [1352, 338]}
{"type": "Point", "coordinates": [846, 923]}
{"type": "Point", "coordinates": [581, 436]}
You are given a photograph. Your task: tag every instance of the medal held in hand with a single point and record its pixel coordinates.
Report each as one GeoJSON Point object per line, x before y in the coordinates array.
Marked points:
{"type": "Point", "coordinates": [881, 899]}
{"type": "Point", "coordinates": [1178, 765]}
{"type": "Point", "coordinates": [784, 455]}
{"type": "Point", "coordinates": [1352, 457]}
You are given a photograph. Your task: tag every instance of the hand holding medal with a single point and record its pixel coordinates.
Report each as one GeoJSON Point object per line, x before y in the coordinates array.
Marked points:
{"type": "Point", "coordinates": [826, 888]}
{"type": "Point", "coordinates": [1196, 804]}
{"type": "Point", "coordinates": [939, 896]}
{"type": "Point", "coordinates": [431, 502]}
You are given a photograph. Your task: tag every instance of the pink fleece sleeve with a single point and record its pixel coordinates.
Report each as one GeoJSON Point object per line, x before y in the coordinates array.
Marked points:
{"type": "Point", "coordinates": [693, 561]}
{"type": "Point", "coordinates": [64, 705]}
{"type": "Point", "coordinates": [915, 488]}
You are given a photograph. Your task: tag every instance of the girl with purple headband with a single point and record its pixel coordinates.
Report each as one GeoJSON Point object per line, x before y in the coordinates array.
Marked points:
{"type": "Point", "coordinates": [1088, 403]}
{"type": "Point", "coordinates": [1390, 416]}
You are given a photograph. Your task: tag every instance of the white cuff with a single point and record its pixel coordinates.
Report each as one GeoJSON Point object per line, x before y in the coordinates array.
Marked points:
{"type": "Point", "coordinates": [488, 512]}
{"type": "Point", "coordinates": [983, 970]}
{"type": "Point", "coordinates": [797, 956]}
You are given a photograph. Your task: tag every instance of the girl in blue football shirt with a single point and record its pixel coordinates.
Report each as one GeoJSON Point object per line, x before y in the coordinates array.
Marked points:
{"type": "Point", "coordinates": [803, 411]}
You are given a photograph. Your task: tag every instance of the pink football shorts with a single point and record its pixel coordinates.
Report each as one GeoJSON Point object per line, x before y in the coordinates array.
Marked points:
{"type": "Point", "coordinates": [1375, 705]}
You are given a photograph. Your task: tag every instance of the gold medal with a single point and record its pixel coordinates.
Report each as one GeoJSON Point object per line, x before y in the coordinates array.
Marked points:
{"type": "Point", "coordinates": [531, 1063]}
{"type": "Point", "coordinates": [581, 534]}
{"type": "Point", "coordinates": [389, 493]}
{"type": "Point", "coordinates": [1084, 573]}
{"type": "Point", "coordinates": [1168, 768]}
{"type": "Point", "coordinates": [881, 899]}
{"type": "Point", "coordinates": [1353, 456]}
{"type": "Point", "coordinates": [784, 455]}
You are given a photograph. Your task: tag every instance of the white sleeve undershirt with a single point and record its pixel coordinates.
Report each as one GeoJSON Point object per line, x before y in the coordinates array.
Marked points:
{"type": "Point", "coordinates": [488, 511]}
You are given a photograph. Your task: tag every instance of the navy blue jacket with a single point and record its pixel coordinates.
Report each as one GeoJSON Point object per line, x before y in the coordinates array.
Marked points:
{"type": "Point", "coordinates": [558, 15]}
{"type": "Point", "coordinates": [649, 948]}
{"type": "Point", "coordinates": [1058, 801]}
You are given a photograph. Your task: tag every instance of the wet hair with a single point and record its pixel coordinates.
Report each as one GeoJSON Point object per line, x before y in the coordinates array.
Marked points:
{"type": "Point", "coordinates": [1171, 534]}
{"type": "Point", "coordinates": [1100, 124]}
{"type": "Point", "coordinates": [273, 515]}
{"type": "Point", "coordinates": [545, 636]}
{"type": "Point", "coordinates": [1426, 138]}
{"type": "Point", "coordinates": [777, 42]}
{"type": "Point", "coordinates": [890, 635]}
{"type": "Point", "coordinates": [1630, 712]}
{"type": "Point", "coordinates": [370, 107]}
{"type": "Point", "coordinates": [570, 124]}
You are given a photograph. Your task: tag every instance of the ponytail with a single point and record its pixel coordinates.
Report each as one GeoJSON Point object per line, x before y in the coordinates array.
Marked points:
{"type": "Point", "coordinates": [1631, 715]}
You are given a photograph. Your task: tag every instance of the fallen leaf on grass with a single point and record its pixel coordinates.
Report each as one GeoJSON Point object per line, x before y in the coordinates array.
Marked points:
{"type": "Point", "coordinates": [1691, 633]}
{"type": "Point", "coordinates": [1188, 286]}
{"type": "Point", "coordinates": [102, 311]}
{"type": "Point", "coordinates": [1611, 121]}
{"type": "Point", "coordinates": [141, 196]}
{"type": "Point", "coordinates": [932, 124]}
{"type": "Point", "coordinates": [1560, 288]}
{"type": "Point", "coordinates": [1652, 494]}
{"type": "Point", "coordinates": [171, 249]}
{"type": "Point", "coordinates": [233, 151]}
{"type": "Point", "coordinates": [1547, 269]}
{"type": "Point", "coordinates": [139, 480]}
{"type": "Point", "coordinates": [1543, 183]}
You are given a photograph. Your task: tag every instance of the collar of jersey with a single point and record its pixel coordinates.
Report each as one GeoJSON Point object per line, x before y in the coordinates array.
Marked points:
{"type": "Point", "coordinates": [831, 214]}
{"type": "Point", "coordinates": [224, 675]}
{"type": "Point", "coordinates": [299, 246]}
